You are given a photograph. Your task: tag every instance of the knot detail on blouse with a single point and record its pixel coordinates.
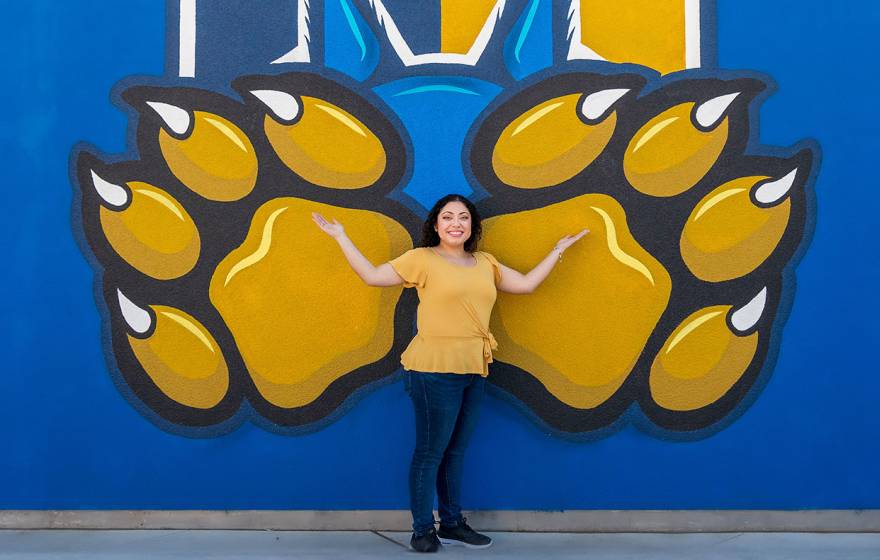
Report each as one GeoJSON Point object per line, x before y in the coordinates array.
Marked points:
{"type": "Point", "coordinates": [489, 344]}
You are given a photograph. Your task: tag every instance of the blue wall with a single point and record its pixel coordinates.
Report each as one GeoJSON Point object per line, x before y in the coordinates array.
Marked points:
{"type": "Point", "coordinates": [72, 441]}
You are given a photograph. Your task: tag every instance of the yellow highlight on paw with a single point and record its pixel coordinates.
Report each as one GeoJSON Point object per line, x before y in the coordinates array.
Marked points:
{"type": "Point", "coordinates": [328, 146]}
{"type": "Point", "coordinates": [583, 329]}
{"type": "Point", "coordinates": [728, 236]}
{"type": "Point", "coordinates": [154, 233]}
{"type": "Point", "coordinates": [701, 361]}
{"type": "Point", "coordinates": [183, 359]}
{"type": "Point", "coordinates": [549, 144]}
{"type": "Point", "coordinates": [287, 289]}
{"type": "Point", "coordinates": [216, 160]}
{"type": "Point", "coordinates": [669, 155]}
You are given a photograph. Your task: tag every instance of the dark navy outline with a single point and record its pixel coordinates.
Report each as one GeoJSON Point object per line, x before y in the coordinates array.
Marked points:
{"type": "Point", "coordinates": [631, 414]}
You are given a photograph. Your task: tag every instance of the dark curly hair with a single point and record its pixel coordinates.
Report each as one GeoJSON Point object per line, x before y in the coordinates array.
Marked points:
{"type": "Point", "coordinates": [430, 238]}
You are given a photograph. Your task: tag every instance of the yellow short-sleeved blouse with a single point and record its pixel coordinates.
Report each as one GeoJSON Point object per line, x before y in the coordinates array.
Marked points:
{"type": "Point", "coordinates": [455, 303]}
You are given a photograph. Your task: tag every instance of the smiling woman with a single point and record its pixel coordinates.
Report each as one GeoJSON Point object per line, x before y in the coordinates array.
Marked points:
{"type": "Point", "coordinates": [448, 360]}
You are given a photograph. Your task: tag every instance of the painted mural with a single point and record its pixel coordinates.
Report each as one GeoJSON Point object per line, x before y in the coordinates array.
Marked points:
{"type": "Point", "coordinates": [222, 302]}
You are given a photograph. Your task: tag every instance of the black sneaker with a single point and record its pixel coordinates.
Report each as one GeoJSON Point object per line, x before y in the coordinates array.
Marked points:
{"type": "Point", "coordinates": [425, 542]}
{"type": "Point", "coordinates": [462, 534]}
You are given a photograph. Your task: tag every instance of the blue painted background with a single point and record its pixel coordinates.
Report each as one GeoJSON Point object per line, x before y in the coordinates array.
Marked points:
{"type": "Point", "coordinates": [70, 440]}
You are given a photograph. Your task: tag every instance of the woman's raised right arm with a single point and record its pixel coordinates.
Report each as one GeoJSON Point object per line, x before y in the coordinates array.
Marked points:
{"type": "Point", "coordinates": [382, 275]}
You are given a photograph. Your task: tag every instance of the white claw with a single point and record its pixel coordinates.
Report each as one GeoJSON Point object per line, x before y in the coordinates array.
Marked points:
{"type": "Point", "coordinates": [112, 194]}
{"type": "Point", "coordinates": [595, 104]}
{"type": "Point", "coordinates": [284, 105]}
{"type": "Point", "coordinates": [710, 112]}
{"type": "Point", "coordinates": [773, 191]}
{"type": "Point", "coordinates": [175, 118]}
{"type": "Point", "coordinates": [748, 315]}
{"type": "Point", "coordinates": [137, 318]}
{"type": "Point", "coordinates": [299, 53]}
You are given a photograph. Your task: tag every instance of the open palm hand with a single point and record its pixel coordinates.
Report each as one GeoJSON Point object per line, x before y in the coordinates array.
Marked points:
{"type": "Point", "coordinates": [334, 229]}
{"type": "Point", "coordinates": [568, 240]}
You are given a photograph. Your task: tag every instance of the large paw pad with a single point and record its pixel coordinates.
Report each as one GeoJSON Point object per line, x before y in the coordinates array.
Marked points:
{"type": "Point", "coordinates": [258, 290]}
{"type": "Point", "coordinates": [621, 291]}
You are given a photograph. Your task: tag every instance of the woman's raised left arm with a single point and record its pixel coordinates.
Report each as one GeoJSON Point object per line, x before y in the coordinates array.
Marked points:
{"type": "Point", "coordinates": [515, 282]}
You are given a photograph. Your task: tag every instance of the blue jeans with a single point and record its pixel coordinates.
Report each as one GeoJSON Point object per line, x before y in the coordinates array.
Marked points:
{"type": "Point", "coordinates": [446, 408]}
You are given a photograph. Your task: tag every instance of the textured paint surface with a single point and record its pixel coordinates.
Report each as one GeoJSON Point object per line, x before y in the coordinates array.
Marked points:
{"type": "Point", "coordinates": [183, 359]}
{"type": "Point", "coordinates": [153, 233]}
{"type": "Point", "coordinates": [668, 155]}
{"type": "Point", "coordinates": [728, 234]}
{"type": "Point", "coordinates": [623, 291]}
{"type": "Point", "coordinates": [701, 361]}
{"type": "Point", "coordinates": [216, 160]}
{"type": "Point", "coordinates": [284, 290]}
{"type": "Point", "coordinates": [649, 32]}
{"type": "Point", "coordinates": [549, 144]}
{"type": "Point", "coordinates": [461, 22]}
{"type": "Point", "coordinates": [328, 146]}
{"type": "Point", "coordinates": [58, 436]}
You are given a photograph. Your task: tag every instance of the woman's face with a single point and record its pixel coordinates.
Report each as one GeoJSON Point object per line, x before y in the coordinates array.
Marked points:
{"type": "Point", "coordinates": [453, 224]}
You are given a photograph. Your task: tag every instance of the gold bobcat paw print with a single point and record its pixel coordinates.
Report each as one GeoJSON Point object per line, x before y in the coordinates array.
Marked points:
{"type": "Point", "coordinates": [670, 302]}
{"type": "Point", "coordinates": [218, 288]}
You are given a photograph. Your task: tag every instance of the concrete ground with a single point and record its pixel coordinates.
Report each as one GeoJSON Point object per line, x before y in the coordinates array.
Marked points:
{"type": "Point", "coordinates": [160, 544]}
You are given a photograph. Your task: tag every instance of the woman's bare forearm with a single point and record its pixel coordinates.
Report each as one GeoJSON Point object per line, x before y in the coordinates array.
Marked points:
{"type": "Point", "coordinates": [515, 282]}
{"type": "Point", "coordinates": [535, 276]}
{"type": "Point", "coordinates": [382, 275]}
